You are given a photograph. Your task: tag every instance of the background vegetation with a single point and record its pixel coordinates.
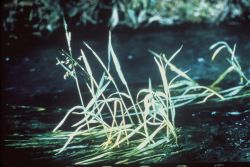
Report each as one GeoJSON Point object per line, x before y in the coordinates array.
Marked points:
{"type": "Point", "coordinates": [45, 16]}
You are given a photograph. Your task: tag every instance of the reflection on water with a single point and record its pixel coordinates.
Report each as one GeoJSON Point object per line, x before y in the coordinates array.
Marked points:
{"type": "Point", "coordinates": [203, 137]}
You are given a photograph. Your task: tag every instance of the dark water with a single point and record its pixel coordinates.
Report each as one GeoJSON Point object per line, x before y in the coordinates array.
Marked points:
{"type": "Point", "coordinates": [31, 78]}
{"type": "Point", "coordinates": [30, 69]}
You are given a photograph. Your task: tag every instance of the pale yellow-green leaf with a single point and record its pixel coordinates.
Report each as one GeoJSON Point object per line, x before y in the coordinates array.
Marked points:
{"type": "Point", "coordinates": [217, 51]}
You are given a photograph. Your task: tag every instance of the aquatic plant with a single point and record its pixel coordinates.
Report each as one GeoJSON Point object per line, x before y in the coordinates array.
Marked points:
{"type": "Point", "coordinates": [135, 125]}
{"type": "Point", "coordinates": [141, 119]}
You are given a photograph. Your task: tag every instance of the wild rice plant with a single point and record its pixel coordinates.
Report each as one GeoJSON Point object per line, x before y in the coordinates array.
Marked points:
{"type": "Point", "coordinates": [234, 67]}
{"type": "Point", "coordinates": [128, 126]}
{"type": "Point", "coordinates": [151, 110]}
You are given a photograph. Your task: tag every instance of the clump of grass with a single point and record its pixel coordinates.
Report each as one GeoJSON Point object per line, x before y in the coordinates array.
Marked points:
{"type": "Point", "coordinates": [128, 126]}
{"type": "Point", "coordinates": [234, 67]}
{"type": "Point", "coordinates": [145, 117]}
